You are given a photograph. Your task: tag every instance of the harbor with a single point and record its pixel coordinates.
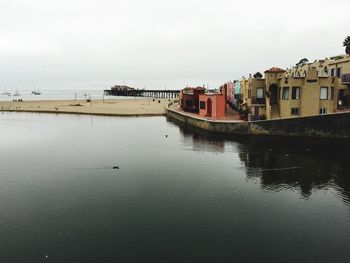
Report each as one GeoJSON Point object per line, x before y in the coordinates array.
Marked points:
{"type": "Point", "coordinates": [175, 131]}
{"type": "Point", "coordinates": [70, 204]}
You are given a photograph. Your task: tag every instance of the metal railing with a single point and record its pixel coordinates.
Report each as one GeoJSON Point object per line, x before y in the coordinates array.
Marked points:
{"type": "Point", "coordinates": [256, 100]}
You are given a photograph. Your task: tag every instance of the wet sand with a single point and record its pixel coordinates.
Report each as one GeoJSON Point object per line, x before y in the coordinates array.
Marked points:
{"type": "Point", "coordinates": [115, 107]}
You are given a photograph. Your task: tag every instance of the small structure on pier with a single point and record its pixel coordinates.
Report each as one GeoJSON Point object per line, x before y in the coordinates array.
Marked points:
{"type": "Point", "coordinates": [119, 90]}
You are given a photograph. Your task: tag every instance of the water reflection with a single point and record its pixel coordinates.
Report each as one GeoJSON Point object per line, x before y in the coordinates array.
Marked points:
{"type": "Point", "coordinates": [279, 168]}
{"type": "Point", "coordinates": [279, 163]}
{"type": "Point", "coordinates": [190, 196]}
{"type": "Point", "coordinates": [201, 141]}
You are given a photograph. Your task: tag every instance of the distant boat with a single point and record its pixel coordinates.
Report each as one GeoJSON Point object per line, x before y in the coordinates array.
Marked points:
{"type": "Point", "coordinates": [36, 92]}
{"type": "Point", "coordinates": [16, 94]}
{"type": "Point", "coordinates": [5, 93]}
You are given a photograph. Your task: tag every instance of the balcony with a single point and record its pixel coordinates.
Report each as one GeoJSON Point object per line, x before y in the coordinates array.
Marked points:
{"type": "Point", "coordinates": [345, 78]}
{"type": "Point", "coordinates": [256, 100]}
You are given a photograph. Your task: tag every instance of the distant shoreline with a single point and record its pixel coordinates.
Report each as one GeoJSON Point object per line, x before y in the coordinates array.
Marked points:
{"type": "Point", "coordinates": [110, 107]}
{"type": "Point", "coordinates": [91, 114]}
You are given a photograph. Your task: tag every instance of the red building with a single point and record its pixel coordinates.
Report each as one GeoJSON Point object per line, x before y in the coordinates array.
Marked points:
{"type": "Point", "coordinates": [212, 105]}
{"type": "Point", "coordinates": [223, 90]}
{"type": "Point", "coordinates": [206, 104]}
{"type": "Point", "coordinates": [189, 99]}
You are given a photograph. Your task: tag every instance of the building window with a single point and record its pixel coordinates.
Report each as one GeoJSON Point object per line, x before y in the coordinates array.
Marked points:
{"type": "Point", "coordinates": [279, 93]}
{"type": "Point", "coordinates": [324, 93]}
{"type": "Point", "coordinates": [285, 93]}
{"type": "Point", "coordinates": [296, 93]}
{"type": "Point", "coordinates": [260, 93]}
{"type": "Point", "coordinates": [332, 93]}
{"type": "Point", "coordinates": [188, 103]}
{"type": "Point", "coordinates": [333, 72]}
{"type": "Point", "coordinates": [338, 72]}
{"type": "Point", "coordinates": [323, 111]}
{"type": "Point", "coordinates": [295, 111]}
{"type": "Point", "coordinates": [202, 105]}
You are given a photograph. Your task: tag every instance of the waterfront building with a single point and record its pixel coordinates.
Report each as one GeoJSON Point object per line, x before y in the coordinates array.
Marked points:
{"type": "Point", "coordinates": [244, 91]}
{"type": "Point", "coordinates": [189, 98]}
{"type": "Point", "coordinates": [223, 90]}
{"type": "Point", "coordinates": [234, 95]}
{"type": "Point", "coordinates": [204, 102]}
{"type": "Point", "coordinates": [254, 97]}
{"type": "Point", "coordinates": [310, 89]}
{"type": "Point", "coordinates": [231, 93]}
{"type": "Point", "coordinates": [238, 95]}
{"type": "Point", "coordinates": [212, 104]}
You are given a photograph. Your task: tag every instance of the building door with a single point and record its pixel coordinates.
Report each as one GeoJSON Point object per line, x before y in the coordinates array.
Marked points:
{"type": "Point", "coordinates": [273, 94]}
{"type": "Point", "coordinates": [209, 107]}
{"type": "Point", "coordinates": [256, 113]}
{"type": "Point", "coordinates": [341, 98]}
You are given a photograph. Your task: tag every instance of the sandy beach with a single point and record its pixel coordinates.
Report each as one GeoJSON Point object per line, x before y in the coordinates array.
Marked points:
{"type": "Point", "coordinates": [115, 107]}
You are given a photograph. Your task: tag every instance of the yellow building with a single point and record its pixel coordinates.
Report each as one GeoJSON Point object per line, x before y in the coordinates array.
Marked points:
{"type": "Point", "coordinates": [314, 88]}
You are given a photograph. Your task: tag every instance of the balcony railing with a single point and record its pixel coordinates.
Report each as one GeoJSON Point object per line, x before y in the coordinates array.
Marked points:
{"type": "Point", "coordinates": [345, 78]}
{"type": "Point", "coordinates": [256, 100]}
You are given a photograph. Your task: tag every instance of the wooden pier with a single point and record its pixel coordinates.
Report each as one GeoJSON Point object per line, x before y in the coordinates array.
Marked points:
{"type": "Point", "coordinates": [142, 93]}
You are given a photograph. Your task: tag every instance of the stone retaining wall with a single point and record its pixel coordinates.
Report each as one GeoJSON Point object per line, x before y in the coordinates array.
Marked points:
{"type": "Point", "coordinates": [213, 126]}
{"type": "Point", "coordinates": [335, 125]}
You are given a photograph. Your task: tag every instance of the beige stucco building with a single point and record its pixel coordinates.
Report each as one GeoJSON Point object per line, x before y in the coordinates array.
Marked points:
{"type": "Point", "coordinates": [314, 88]}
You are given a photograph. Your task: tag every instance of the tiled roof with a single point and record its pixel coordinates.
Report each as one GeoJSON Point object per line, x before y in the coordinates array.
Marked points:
{"type": "Point", "coordinates": [275, 70]}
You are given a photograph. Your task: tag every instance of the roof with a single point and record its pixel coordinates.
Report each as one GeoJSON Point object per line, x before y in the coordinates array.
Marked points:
{"type": "Point", "coordinates": [213, 94]}
{"type": "Point", "coordinates": [275, 70]}
{"type": "Point", "coordinates": [337, 57]}
{"type": "Point", "coordinates": [190, 90]}
{"type": "Point", "coordinates": [121, 87]}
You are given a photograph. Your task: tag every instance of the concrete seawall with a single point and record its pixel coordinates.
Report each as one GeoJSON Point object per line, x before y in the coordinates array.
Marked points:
{"type": "Point", "coordinates": [335, 125]}
{"type": "Point", "coordinates": [212, 126]}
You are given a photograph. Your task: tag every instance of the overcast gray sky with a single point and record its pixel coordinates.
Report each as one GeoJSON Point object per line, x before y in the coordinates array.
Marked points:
{"type": "Point", "coordinates": [92, 44]}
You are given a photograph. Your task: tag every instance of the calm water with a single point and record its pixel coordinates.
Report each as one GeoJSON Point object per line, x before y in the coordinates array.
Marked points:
{"type": "Point", "coordinates": [188, 197]}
